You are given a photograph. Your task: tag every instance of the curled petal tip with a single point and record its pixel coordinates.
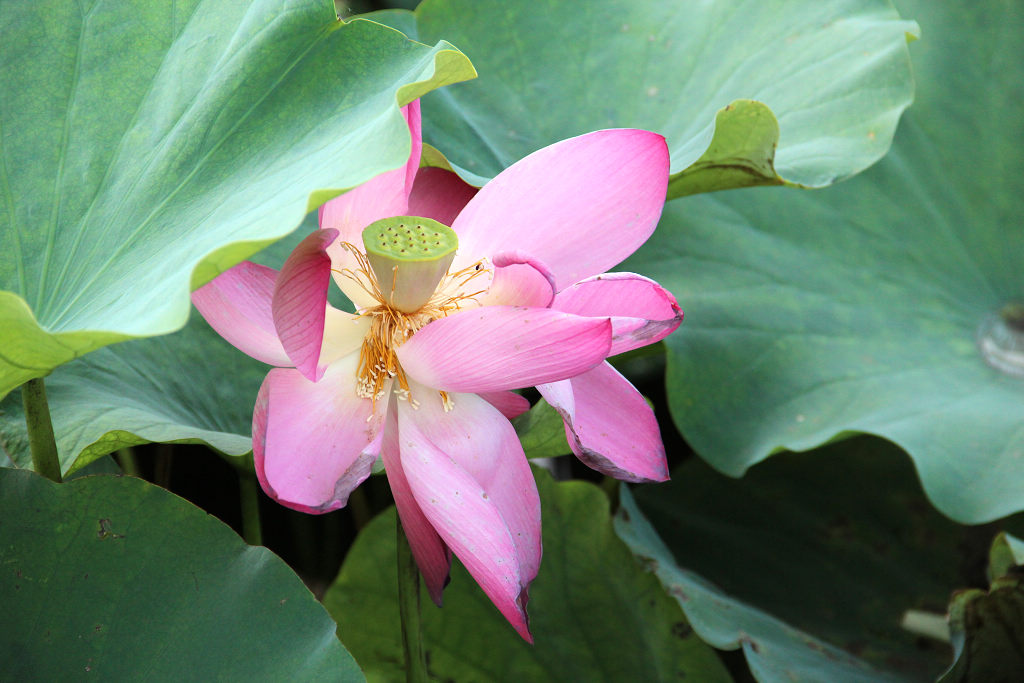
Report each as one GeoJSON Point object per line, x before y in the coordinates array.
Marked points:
{"type": "Point", "coordinates": [523, 627]}
{"type": "Point", "coordinates": [437, 595]}
{"type": "Point", "coordinates": [642, 311]}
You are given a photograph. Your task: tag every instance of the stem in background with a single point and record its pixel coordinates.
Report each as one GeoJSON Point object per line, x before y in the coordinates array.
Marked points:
{"type": "Point", "coordinates": [359, 507]}
{"type": "Point", "coordinates": [409, 609]}
{"type": "Point", "coordinates": [610, 487]}
{"type": "Point", "coordinates": [305, 541]}
{"type": "Point", "coordinates": [331, 552]}
{"type": "Point", "coordinates": [162, 469]}
{"type": "Point", "coordinates": [128, 462]}
{"type": "Point", "coordinates": [249, 493]}
{"type": "Point", "coordinates": [40, 429]}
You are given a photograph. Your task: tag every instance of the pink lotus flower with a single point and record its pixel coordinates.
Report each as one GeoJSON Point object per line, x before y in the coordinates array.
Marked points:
{"type": "Point", "coordinates": [427, 388]}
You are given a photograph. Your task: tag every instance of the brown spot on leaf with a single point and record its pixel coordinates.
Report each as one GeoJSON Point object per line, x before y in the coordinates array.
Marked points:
{"type": "Point", "coordinates": [106, 531]}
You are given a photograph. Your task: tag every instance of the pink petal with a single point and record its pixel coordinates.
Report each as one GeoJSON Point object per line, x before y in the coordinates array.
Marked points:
{"type": "Point", "coordinates": [504, 347]}
{"type": "Point", "coordinates": [482, 442]}
{"type": "Point", "coordinates": [581, 205]}
{"type": "Point", "coordinates": [466, 517]}
{"type": "Point", "coordinates": [411, 112]}
{"type": "Point", "coordinates": [313, 442]}
{"type": "Point", "coordinates": [519, 280]}
{"type": "Point", "coordinates": [439, 194]}
{"type": "Point", "coordinates": [641, 310]}
{"type": "Point", "coordinates": [609, 425]}
{"type": "Point", "coordinates": [383, 196]}
{"type": "Point", "coordinates": [300, 302]}
{"type": "Point", "coordinates": [237, 304]}
{"type": "Point", "coordinates": [508, 403]}
{"type": "Point", "coordinates": [431, 554]}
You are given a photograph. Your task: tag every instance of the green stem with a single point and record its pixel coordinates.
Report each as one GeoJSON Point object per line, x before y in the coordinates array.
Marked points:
{"type": "Point", "coordinates": [305, 541]}
{"type": "Point", "coordinates": [610, 487]}
{"type": "Point", "coordinates": [128, 462]}
{"type": "Point", "coordinates": [40, 429]}
{"type": "Point", "coordinates": [249, 492]}
{"type": "Point", "coordinates": [359, 507]}
{"type": "Point", "coordinates": [162, 470]}
{"type": "Point", "coordinates": [409, 608]}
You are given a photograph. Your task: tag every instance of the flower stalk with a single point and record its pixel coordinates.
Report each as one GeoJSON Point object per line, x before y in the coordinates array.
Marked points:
{"type": "Point", "coordinates": [41, 441]}
{"type": "Point", "coordinates": [249, 493]}
{"type": "Point", "coordinates": [409, 609]}
{"type": "Point", "coordinates": [129, 463]}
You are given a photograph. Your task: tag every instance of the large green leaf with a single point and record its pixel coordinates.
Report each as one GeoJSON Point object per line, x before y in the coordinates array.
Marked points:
{"type": "Point", "coordinates": [187, 387]}
{"type": "Point", "coordinates": [116, 579]}
{"type": "Point", "coordinates": [542, 431]}
{"type": "Point", "coordinates": [594, 613]}
{"type": "Point", "coordinates": [831, 78]}
{"type": "Point", "coordinates": [859, 308]}
{"type": "Point", "coordinates": [149, 146]}
{"type": "Point", "coordinates": [815, 560]}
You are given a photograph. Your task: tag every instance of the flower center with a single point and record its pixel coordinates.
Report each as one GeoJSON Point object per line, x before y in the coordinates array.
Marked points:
{"type": "Point", "coordinates": [405, 270]}
{"type": "Point", "coordinates": [409, 256]}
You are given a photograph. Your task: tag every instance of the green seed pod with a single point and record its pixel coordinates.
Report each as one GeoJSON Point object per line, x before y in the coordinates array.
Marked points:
{"type": "Point", "coordinates": [409, 256]}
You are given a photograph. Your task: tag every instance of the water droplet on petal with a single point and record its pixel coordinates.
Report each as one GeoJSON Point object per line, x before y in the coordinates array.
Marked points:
{"type": "Point", "coordinates": [1001, 339]}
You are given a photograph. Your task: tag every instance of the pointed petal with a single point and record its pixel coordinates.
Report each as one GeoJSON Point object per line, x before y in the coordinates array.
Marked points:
{"type": "Point", "coordinates": [609, 425]}
{"type": "Point", "coordinates": [504, 347]}
{"type": "Point", "coordinates": [508, 403]}
{"type": "Point", "coordinates": [519, 280]}
{"type": "Point", "coordinates": [581, 205]}
{"type": "Point", "coordinates": [465, 518]}
{"type": "Point", "coordinates": [439, 194]}
{"type": "Point", "coordinates": [383, 196]}
{"type": "Point", "coordinates": [431, 554]}
{"type": "Point", "coordinates": [642, 311]}
{"type": "Point", "coordinates": [411, 112]}
{"type": "Point", "coordinates": [237, 304]}
{"type": "Point", "coordinates": [300, 302]}
{"type": "Point", "coordinates": [313, 442]}
{"type": "Point", "coordinates": [481, 441]}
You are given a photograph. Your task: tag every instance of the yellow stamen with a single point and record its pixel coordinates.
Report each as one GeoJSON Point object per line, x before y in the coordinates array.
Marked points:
{"type": "Point", "coordinates": [390, 328]}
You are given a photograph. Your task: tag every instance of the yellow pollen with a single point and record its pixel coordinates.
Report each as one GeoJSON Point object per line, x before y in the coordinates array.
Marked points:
{"type": "Point", "coordinates": [390, 328]}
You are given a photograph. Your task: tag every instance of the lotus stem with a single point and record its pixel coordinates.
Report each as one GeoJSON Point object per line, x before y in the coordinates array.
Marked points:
{"type": "Point", "coordinates": [129, 463]}
{"type": "Point", "coordinates": [249, 494]}
{"type": "Point", "coordinates": [360, 508]}
{"type": "Point", "coordinates": [409, 609]}
{"type": "Point", "coordinates": [42, 443]}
